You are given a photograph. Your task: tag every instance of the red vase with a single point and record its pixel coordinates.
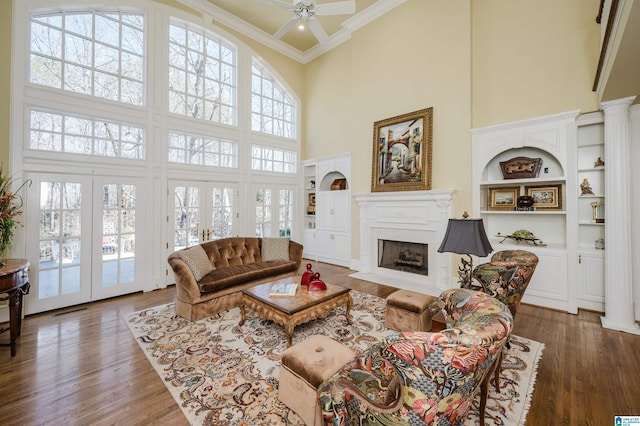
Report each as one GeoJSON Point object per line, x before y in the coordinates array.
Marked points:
{"type": "Point", "coordinates": [316, 283]}
{"type": "Point", "coordinates": [307, 275]}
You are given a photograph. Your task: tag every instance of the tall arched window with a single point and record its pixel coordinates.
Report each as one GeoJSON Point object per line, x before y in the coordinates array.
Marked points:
{"type": "Point", "coordinates": [138, 99]}
{"type": "Point", "coordinates": [202, 75]}
{"type": "Point", "coordinates": [272, 109]}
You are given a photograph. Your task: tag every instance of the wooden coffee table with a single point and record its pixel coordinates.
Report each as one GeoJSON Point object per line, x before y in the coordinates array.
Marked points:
{"type": "Point", "coordinates": [290, 311]}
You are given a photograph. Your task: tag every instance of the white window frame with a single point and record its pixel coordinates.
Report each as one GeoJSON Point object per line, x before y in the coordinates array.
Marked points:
{"type": "Point", "coordinates": [208, 105]}
{"type": "Point", "coordinates": [155, 170]}
{"type": "Point", "coordinates": [89, 64]}
{"type": "Point", "coordinates": [266, 102]}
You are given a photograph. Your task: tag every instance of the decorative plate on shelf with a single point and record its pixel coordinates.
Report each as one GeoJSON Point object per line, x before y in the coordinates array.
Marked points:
{"type": "Point", "coordinates": [521, 168]}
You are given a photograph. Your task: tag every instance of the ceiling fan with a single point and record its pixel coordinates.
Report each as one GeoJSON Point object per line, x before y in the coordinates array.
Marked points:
{"type": "Point", "coordinates": [305, 12]}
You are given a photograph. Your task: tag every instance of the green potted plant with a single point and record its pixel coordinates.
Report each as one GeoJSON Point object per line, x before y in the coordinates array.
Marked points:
{"type": "Point", "coordinates": [10, 209]}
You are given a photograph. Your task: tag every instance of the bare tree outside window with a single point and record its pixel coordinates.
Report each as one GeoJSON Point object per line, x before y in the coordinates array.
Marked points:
{"type": "Point", "coordinates": [272, 111]}
{"type": "Point", "coordinates": [263, 212]}
{"type": "Point", "coordinates": [286, 213]}
{"type": "Point", "coordinates": [202, 75]}
{"type": "Point", "coordinates": [96, 54]}
{"type": "Point", "coordinates": [50, 131]}
{"type": "Point", "coordinates": [273, 160]}
{"type": "Point", "coordinates": [194, 149]}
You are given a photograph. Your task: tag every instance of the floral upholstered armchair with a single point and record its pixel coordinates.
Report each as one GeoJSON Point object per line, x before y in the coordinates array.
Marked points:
{"type": "Point", "coordinates": [420, 377]}
{"type": "Point", "coordinates": [507, 276]}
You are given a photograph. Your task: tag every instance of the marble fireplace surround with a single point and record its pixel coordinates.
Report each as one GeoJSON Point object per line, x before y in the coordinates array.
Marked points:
{"type": "Point", "coordinates": [411, 216]}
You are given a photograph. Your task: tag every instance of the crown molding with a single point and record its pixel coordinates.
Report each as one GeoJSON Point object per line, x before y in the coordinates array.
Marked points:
{"type": "Point", "coordinates": [371, 13]}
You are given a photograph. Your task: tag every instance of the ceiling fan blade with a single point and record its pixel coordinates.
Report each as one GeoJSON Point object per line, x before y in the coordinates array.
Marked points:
{"type": "Point", "coordinates": [318, 31]}
{"type": "Point", "coordinates": [286, 27]}
{"type": "Point", "coordinates": [336, 8]}
{"type": "Point", "coordinates": [278, 3]}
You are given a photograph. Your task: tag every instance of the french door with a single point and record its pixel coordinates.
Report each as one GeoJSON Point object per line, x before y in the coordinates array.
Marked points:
{"type": "Point", "coordinates": [83, 231]}
{"type": "Point", "coordinates": [274, 210]}
{"type": "Point", "coordinates": [201, 211]}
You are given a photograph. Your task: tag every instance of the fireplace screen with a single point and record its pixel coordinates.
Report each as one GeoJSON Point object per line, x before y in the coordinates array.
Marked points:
{"type": "Point", "coordinates": [403, 256]}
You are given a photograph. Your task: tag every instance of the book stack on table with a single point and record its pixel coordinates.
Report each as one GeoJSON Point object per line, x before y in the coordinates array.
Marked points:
{"type": "Point", "coordinates": [283, 289]}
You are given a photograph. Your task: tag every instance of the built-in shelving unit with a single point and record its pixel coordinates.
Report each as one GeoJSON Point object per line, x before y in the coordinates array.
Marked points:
{"type": "Point", "coordinates": [309, 185]}
{"type": "Point", "coordinates": [594, 153]}
{"type": "Point", "coordinates": [310, 195]}
{"type": "Point", "coordinates": [591, 224]}
{"type": "Point", "coordinates": [553, 140]}
{"type": "Point", "coordinates": [327, 231]}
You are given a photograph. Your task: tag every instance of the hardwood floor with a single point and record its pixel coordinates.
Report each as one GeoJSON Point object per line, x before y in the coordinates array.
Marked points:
{"type": "Point", "coordinates": [81, 366]}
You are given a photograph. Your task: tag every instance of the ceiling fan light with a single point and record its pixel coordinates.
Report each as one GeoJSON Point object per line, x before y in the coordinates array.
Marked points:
{"type": "Point", "coordinates": [301, 27]}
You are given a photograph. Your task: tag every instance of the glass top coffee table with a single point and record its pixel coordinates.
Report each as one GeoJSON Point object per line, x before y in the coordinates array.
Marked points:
{"type": "Point", "coordinates": [290, 311]}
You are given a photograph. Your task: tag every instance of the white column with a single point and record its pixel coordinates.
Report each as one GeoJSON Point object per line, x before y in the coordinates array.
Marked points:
{"type": "Point", "coordinates": [619, 305]}
{"type": "Point", "coordinates": [445, 280]}
{"type": "Point", "coordinates": [365, 237]}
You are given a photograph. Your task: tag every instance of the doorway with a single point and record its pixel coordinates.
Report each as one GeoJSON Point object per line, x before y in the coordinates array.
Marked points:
{"type": "Point", "coordinates": [85, 241]}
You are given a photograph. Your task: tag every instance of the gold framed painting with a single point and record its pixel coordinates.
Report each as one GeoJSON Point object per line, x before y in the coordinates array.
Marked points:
{"type": "Point", "coordinates": [548, 197]}
{"type": "Point", "coordinates": [503, 198]}
{"type": "Point", "coordinates": [402, 149]}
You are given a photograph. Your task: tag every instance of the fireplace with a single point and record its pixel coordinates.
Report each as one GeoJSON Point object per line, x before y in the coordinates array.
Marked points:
{"type": "Point", "coordinates": [402, 256]}
{"type": "Point", "coordinates": [415, 222]}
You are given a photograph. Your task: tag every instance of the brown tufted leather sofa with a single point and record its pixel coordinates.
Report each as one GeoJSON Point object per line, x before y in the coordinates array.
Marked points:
{"type": "Point", "coordinates": [238, 263]}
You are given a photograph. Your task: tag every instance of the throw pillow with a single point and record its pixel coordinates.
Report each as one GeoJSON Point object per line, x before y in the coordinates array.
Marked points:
{"type": "Point", "coordinates": [275, 249]}
{"type": "Point", "coordinates": [197, 260]}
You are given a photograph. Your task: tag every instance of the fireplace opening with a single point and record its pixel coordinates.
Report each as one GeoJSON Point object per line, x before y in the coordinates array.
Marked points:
{"type": "Point", "coordinates": [403, 256]}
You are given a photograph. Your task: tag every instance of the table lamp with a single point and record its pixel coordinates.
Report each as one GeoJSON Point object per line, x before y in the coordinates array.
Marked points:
{"type": "Point", "coordinates": [466, 236]}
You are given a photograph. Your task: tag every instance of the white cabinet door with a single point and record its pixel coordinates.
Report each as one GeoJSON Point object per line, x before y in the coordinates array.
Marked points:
{"type": "Point", "coordinates": [591, 280]}
{"type": "Point", "coordinates": [309, 241]}
{"type": "Point", "coordinates": [333, 210]}
{"type": "Point", "coordinates": [324, 218]}
{"type": "Point", "coordinates": [334, 247]}
{"type": "Point", "coordinates": [340, 211]}
{"type": "Point", "coordinates": [548, 286]}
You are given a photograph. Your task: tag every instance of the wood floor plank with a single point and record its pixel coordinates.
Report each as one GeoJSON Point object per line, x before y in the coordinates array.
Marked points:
{"type": "Point", "coordinates": [84, 367]}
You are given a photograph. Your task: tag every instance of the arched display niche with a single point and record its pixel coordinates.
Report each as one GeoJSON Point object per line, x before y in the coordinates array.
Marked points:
{"type": "Point", "coordinates": [553, 140]}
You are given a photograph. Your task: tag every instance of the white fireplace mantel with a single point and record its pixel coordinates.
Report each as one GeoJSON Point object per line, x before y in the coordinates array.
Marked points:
{"type": "Point", "coordinates": [411, 216]}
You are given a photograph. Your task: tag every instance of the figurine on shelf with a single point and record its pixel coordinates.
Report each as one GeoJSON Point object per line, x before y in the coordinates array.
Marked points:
{"type": "Point", "coordinates": [585, 187]}
{"type": "Point", "coordinates": [599, 162]}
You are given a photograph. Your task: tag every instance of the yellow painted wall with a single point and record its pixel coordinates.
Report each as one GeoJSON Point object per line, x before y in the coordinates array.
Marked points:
{"type": "Point", "coordinates": [416, 56]}
{"type": "Point", "coordinates": [533, 58]}
{"type": "Point", "coordinates": [477, 63]}
{"type": "Point", "coordinates": [5, 81]}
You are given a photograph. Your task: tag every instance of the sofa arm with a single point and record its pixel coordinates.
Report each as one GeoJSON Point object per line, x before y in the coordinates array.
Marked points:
{"type": "Point", "coordinates": [295, 253]}
{"type": "Point", "coordinates": [187, 288]}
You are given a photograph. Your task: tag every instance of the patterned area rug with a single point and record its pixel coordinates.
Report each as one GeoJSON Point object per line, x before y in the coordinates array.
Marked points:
{"type": "Point", "coordinates": [222, 374]}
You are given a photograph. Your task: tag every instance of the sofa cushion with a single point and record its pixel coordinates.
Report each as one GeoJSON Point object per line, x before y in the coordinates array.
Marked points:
{"type": "Point", "coordinates": [275, 249]}
{"type": "Point", "coordinates": [226, 277]}
{"type": "Point", "coordinates": [197, 260]}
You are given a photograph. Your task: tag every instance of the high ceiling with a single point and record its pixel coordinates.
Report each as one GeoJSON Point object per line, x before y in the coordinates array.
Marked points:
{"type": "Point", "coordinates": [260, 20]}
